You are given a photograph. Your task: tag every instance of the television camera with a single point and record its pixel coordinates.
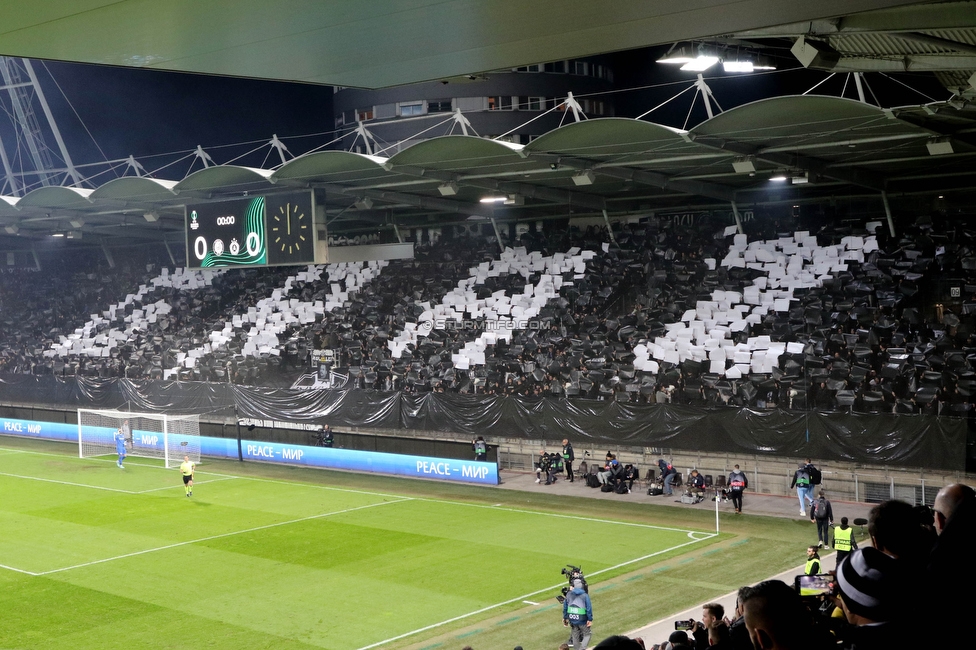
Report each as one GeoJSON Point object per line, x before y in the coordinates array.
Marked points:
{"type": "Point", "coordinates": [572, 574]}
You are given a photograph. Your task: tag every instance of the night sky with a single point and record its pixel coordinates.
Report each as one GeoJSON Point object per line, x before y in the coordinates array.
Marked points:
{"type": "Point", "coordinates": [146, 112]}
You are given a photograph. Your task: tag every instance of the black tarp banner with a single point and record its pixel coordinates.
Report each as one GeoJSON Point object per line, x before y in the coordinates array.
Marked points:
{"type": "Point", "coordinates": [907, 440]}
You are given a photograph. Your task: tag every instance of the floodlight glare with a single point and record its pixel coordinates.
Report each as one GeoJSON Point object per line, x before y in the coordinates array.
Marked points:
{"type": "Point", "coordinates": [737, 66]}
{"type": "Point", "coordinates": [700, 64]}
{"type": "Point", "coordinates": [778, 178]}
{"type": "Point", "coordinates": [493, 199]}
{"type": "Point", "coordinates": [677, 55]}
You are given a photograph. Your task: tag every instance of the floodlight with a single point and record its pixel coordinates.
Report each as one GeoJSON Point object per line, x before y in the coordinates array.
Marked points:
{"type": "Point", "coordinates": [77, 223]}
{"type": "Point", "coordinates": [493, 199]}
{"type": "Point", "coordinates": [12, 229]}
{"type": "Point", "coordinates": [743, 166]}
{"type": "Point", "coordinates": [57, 234]}
{"type": "Point", "coordinates": [800, 179]}
{"type": "Point", "coordinates": [585, 177]}
{"type": "Point", "coordinates": [778, 177]}
{"type": "Point", "coordinates": [737, 66]}
{"type": "Point", "coordinates": [939, 146]}
{"type": "Point", "coordinates": [448, 189]}
{"type": "Point", "coordinates": [678, 55]}
{"type": "Point", "coordinates": [364, 203]}
{"type": "Point", "coordinates": [74, 234]}
{"type": "Point", "coordinates": [763, 63]}
{"type": "Point", "coordinates": [700, 64]}
{"type": "Point", "coordinates": [152, 216]}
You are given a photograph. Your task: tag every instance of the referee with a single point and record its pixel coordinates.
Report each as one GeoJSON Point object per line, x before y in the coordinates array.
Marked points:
{"type": "Point", "coordinates": [186, 469]}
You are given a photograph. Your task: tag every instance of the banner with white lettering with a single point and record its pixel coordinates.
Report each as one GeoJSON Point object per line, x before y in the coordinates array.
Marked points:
{"type": "Point", "coordinates": [445, 469]}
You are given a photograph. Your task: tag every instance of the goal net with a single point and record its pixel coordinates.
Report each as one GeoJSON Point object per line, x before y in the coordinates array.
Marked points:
{"type": "Point", "coordinates": [149, 435]}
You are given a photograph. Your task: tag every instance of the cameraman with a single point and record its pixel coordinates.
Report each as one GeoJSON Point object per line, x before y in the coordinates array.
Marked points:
{"type": "Point", "coordinates": [712, 631]}
{"type": "Point", "coordinates": [578, 615]}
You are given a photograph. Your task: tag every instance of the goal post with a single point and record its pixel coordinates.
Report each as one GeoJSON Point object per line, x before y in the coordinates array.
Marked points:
{"type": "Point", "coordinates": [147, 435]}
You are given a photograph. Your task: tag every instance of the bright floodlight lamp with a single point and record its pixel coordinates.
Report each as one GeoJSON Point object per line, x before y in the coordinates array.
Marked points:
{"type": "Point", "coordinates": [939, 147]}
{"type": "Point", "coordinates": [800, 179]}
{"type": "Point", "coordinates": [364, 203]}
{"type": "Point", "coordinates": [779, 177]}
{"type": "Point", "coordinates": [700, 64]}
{"type": "Point", "coordinates": [77, 223]}
{"type": "Point", "coordinates": [152, 216]}
{"type": "Point", "coordinates": [737, 66]}
{"type": "Point", "coordinates": [12, 229]}
{"type": "Point", "coordinates": [678, 55]}
{"type": "Point", "coordinates": [585, 177]}
{"type": "Point", "coordinates": [743, 166]}
{"type": "Point", "coordinates": [448, 189]}
{"type": "Point", "coordinates": [763, 63]}
{"type": "Point", "coordinates": [493, 199]}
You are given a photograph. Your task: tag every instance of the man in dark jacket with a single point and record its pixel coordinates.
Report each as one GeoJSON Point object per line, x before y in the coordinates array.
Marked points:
{"type": "Point", "coordinates": [804, 487]}
{"type": "Point", "coordinates": [578, 615]}
{"type": "Point", "coordinates": [737, 484]}
{"type": "Point", "coordinates": [823, 515]}
{"type": "Point", "coordinates": [568, 458]}
{"type": "Point", "coordinates": [668, 473]}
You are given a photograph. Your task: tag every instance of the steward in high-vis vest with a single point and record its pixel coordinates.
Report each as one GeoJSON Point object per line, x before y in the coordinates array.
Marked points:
{"type": "Point", "coordinates": [812, 566]}
{"type": "Point", "coordinates": [578, 615]}
{"type": "Point", "coordinates": [844, 541]}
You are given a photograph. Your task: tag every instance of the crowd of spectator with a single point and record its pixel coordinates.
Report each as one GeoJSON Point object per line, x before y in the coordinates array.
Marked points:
{"type": "Point", "coordinates": [872, 337]}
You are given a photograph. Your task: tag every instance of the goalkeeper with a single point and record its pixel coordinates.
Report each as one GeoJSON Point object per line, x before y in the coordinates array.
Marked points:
{"type": "Point", "coordinates": [186, 469]}
{"type": "Point", "coordinates": [120, 446]}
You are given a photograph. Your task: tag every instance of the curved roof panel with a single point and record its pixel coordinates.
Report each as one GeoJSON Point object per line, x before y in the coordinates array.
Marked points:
{"type": "Point", "coordinates": [802, 119]}
{"type": "Point", "coordinates": [56, 197]}
{"type": "Point", "coordinates": [609, 137]}
{"type": "Point", "coordinates": [331, 167]}
{"type": "Point", "coordinates": [461, 153]}
{"type": "Point", "coordinates": [135, 188]}
{"type": "Point", "coordinates": [8, 205]}
{"type": "Point", "coordinates": [223, 177]}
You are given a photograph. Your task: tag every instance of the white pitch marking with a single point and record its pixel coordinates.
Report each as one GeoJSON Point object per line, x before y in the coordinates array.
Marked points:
{"type": "Point", "coordinates": [526, 596]}
{"type": "Point", "coordinates": [51, 480]}
{"type": "Point", "coordinates": [529, 602]}
{"type": "Point", "coordinates": [207, 539]}
{"type": "Point", "coordinates": [10, 568]}
{"type": "Point", "coordinates": [173, 487]}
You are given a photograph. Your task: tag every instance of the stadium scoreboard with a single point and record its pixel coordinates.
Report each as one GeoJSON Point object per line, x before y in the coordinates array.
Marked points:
{"type": "Point", "coordinates": [273, 230]}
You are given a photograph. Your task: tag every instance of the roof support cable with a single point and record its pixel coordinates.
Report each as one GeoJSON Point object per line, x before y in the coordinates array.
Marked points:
{"type": "Point", "coordinates": [665, 102]}
{"type": "Point", "coordinates": [820, 83]}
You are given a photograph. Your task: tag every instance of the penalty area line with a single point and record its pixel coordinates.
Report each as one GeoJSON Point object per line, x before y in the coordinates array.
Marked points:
{"type": "Point", "coordinates": [51, 480]}
{"type": "Point", "coordinates": [525, 597]}
{"type": "Point", "coordinates": [221, 535]}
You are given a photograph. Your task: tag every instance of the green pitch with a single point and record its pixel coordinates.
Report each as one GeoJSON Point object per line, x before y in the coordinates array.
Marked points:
{"type": "Point", "coordinates": [260, 557]}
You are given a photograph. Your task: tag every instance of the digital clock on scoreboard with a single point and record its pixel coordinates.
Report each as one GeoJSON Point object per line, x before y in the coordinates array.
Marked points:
{"type": "Point", "coordinates": [259, 231]}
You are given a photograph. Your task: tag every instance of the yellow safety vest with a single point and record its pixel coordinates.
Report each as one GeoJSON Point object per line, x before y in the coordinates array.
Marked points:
{"type": "Point", "coordinates": [842, 538]}
{"type": "Point", "coordinates": [808, 569]}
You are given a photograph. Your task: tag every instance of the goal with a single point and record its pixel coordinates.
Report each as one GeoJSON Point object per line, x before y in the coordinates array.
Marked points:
{"type": "Point", "coordinates": [149, 435]}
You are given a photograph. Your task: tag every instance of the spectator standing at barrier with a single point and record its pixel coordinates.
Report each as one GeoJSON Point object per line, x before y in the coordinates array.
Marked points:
{"type": "Point", "coordinates": [823, 515]}
{"type": "Point", "coordinates": [737, 484]}
{"type": "Point", "coordinates": [480, 448]}
{"type": "Point", "coordinates": [668, 473]}
{"type": "Point", "coordinates": [812, 567]}
{"type": "Point", "coordinates": [568, 458]}
{"type": "Point", "coordinates": [578, 615]}
{"type": "Point", "coordinates": [844, 541]}
{"type": "Point", "coordinates": [804, 488]}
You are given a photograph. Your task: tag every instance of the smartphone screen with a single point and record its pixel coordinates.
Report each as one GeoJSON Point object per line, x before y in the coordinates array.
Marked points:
{"type": "Point", "coordinates": [816, 585]}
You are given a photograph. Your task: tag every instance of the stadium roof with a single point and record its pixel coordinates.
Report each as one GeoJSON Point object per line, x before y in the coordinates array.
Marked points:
{"type": "Point", "coordinates": [377, 43]}
{"type": "Point", "coordinates": [822, 146]}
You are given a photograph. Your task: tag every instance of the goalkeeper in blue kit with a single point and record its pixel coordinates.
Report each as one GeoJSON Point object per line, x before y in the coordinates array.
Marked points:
{"type": "Point", "coordinates": [120, 447]}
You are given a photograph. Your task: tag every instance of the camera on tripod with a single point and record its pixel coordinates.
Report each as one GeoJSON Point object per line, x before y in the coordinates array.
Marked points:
{"type": "Point", "coordinates": [572, 573]}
